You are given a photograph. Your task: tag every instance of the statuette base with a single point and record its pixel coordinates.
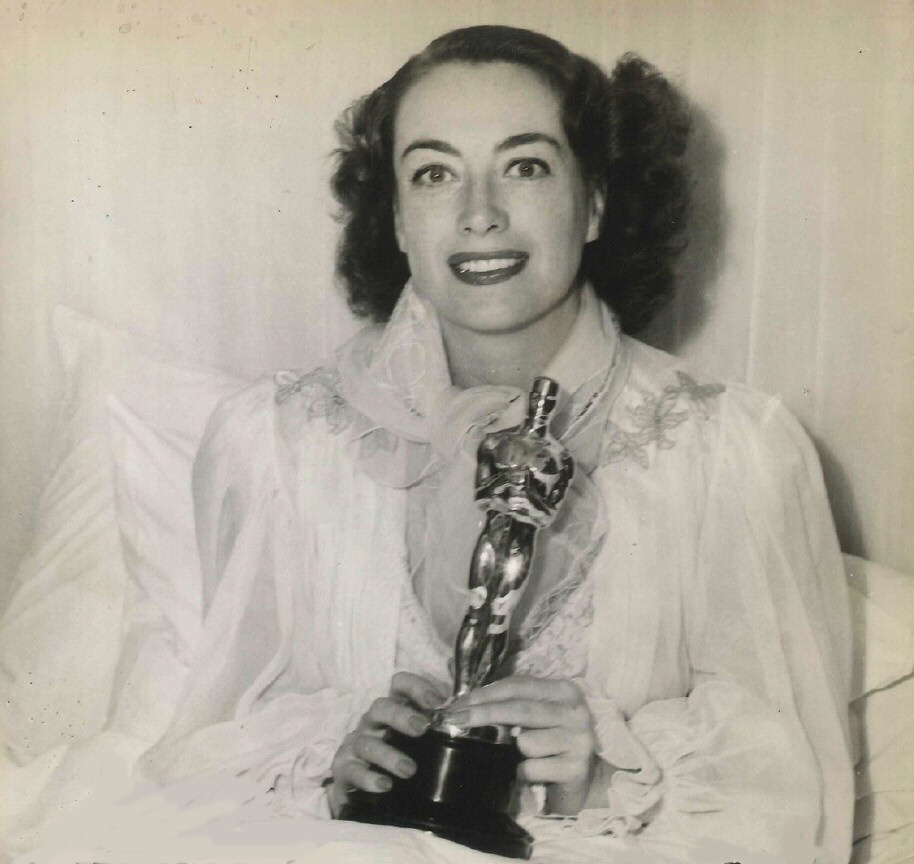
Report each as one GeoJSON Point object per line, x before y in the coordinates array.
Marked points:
{"type": "Point", "coordinates": [461, 791]}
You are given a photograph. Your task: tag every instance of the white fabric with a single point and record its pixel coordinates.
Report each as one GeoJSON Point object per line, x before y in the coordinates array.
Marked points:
{"type": "Point", "coordinates": [163, 616]}
{"type": "Point", "coordinates": [882, 614]}
{"type": "Point", "coordinates": [719, 651]}
{"type": "Point", "coordinates": [60, 632]}
{"type": "Point", "coordinates": [882, 606]}
{"type": "Point", "coordinates": [885, 783]}
{"type": "Point", "coordinates": [222, 820]}
{"type": "Point", "coordinates": [152, 467]}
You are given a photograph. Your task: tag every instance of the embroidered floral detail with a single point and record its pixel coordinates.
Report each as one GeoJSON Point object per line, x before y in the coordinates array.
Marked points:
{"type": "Point", "coordinates": [321, 390]}
{"type": "Point", "coordinates": [699, 395]}
{"type": "Point", "coordinates": [655, 417]}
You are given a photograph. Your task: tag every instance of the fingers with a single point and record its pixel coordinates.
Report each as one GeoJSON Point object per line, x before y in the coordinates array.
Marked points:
{"type": "Point", "coordinates": [388, 712]}
{"type": "Point", "coordinates": [360, 776]}
{"type": "Point", "coordinates": [420, 691]}
{"type": "Point", "coordinates": [554, 769]}
{"type": "Point", "coordinates": [534, 703]}
{"type": "Point", "coordinates": [525, 687]}
{"type": "Point", "coordinates": [365, 760]}
{"type": "Point", "coordinates": [556, 739]}
{"type": "Point", "coordinates": [524, 712]}
{"type": "Point", "coordinates": [350, 772]}
{"type": "Point", "coordinates": [376, 752]}
{"type": "Point", "coordinates": [541, 743]}
{"type": "Point", "coordinates": [360, 760]}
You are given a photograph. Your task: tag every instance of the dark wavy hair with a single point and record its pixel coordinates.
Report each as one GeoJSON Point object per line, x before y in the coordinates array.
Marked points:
{"type": "Point", "coordinates": [627, 130]}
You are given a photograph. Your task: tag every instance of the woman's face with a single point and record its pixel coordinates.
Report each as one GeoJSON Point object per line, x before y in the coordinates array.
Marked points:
{"type": "Point", "coordinates": [491, 208]}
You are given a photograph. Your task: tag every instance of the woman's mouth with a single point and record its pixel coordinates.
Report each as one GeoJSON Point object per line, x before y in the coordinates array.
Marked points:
{"type": "Point", "coordinates": [487, 268]}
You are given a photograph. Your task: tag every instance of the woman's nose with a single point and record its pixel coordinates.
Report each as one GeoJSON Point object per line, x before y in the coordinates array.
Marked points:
{"type": "Point", "coordinates": [482, 213]}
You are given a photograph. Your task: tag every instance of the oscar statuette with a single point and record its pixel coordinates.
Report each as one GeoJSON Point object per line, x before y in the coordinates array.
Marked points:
{"type": "Point", "coordinates": [463, 786]}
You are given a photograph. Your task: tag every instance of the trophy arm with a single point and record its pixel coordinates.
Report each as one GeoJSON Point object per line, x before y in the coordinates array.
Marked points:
{"type": "Point", "coordinates": [485, 491]}
{"type": "Point", "coordinates": [557, 495]}
{"type": "Point", "coordinates": [541, 504]}
{"type": "Point", "coordinates": [486, 477]}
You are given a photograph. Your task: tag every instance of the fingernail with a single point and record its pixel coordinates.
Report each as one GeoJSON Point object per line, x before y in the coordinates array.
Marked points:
{"type": "Point", "coordinates": [457, 718]}
{"type": "Point", "coordinates": [429, 700]}
{"type": "Point", "coordinates": [383, 784]}
{"type": "Point", "coordinates": [406, 768]}
{"type": "Point", "coordinates": [418, 724]}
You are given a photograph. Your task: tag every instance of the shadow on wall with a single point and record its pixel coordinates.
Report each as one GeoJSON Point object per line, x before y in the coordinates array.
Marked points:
{"type": "Point", "coordinates": [698, 268]}
{"type": "Point", "coordinates": [843, 505]}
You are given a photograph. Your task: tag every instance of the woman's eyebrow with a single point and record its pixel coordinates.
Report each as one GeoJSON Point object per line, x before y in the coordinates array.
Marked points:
{"type": "Point", "coordinates": [519, 140]}
{"type": "Point", "coordinates": [528, 138]}
{"type": "Point", "coordinates": [430, 144]}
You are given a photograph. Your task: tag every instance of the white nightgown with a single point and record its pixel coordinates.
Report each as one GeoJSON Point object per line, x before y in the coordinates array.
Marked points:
{"type": "Point", "coordinates": [695, 590]}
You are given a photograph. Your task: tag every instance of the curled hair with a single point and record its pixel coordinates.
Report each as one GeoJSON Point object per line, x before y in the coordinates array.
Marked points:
{"type": "Point", "coordinates": [627, 130]}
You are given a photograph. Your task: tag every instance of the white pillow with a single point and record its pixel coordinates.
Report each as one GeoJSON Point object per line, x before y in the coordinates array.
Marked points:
{"type": "Point", "coordinates": [882, 613]}
{"type": "Point", "coordinates": [882, 617]}
{"type": "Point", "coordinates": [163, 614]}
{"type": "Point", "coordinates": [885, 772]}
{"type": "Point", "coordinates": [152, 474]}
{"type": "Point", "coordinates": [60, 633]}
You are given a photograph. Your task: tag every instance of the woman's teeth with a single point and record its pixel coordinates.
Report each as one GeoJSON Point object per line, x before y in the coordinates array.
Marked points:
{"type": "Point", "coordinates": [487, 265]}
{"type": "Point", "coordinates": [488, 271]}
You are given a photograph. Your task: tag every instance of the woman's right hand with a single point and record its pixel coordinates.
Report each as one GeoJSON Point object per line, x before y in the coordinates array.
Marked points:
{"type": "Point", "coordinates": [364, 750]}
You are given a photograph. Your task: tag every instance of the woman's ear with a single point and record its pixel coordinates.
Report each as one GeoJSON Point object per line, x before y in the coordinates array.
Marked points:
{"type": "Point", "coordinates": [595, 219]}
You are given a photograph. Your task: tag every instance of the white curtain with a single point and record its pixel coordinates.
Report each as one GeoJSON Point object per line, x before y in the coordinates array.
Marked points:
{"type": "Point", "coordinates": [164, 167]}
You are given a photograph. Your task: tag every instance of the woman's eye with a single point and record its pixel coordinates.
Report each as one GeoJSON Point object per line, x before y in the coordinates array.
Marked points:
{"type": "Point", "coordinates": [527, 169]}
{"type": "Point", "coordinates": [432, 175]}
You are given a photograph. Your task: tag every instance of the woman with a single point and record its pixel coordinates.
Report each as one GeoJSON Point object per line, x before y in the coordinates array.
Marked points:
{"type": "Point", "coordinates": [681, 656]}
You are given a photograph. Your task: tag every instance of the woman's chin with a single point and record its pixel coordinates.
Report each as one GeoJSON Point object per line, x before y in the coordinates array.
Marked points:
{"type": "Point", "coordinates": [494, 325]}
{"type": "Point", "coordinates": [486, 313]}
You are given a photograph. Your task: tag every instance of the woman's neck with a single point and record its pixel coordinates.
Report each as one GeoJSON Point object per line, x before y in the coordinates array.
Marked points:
{"type": "Point", "coordinates": [508, 358]}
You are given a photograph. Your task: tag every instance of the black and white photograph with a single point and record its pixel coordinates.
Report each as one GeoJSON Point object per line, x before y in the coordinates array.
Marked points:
{"type": "Point", "coordinates": [456, 432]}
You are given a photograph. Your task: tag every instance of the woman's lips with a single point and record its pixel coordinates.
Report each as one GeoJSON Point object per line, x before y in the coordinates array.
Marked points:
{"type": "Point", "coordinates": [487, 268]}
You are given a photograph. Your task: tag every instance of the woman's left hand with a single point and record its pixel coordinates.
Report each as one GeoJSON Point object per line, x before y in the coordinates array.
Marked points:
{"type": "Point", "coordinates": [557, 735]}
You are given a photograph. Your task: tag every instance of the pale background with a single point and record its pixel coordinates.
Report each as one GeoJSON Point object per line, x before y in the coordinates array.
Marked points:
{"type": "Point", "coordinates": [164, 166]}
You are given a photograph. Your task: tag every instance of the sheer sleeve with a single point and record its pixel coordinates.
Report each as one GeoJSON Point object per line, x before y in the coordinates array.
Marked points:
{"type": "Point", "coordinates": [257, 702]}
{"type": "Point", "coordinates": [757, 754]}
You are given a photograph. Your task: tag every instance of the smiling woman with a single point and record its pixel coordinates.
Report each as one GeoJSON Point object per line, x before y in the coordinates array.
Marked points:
{"type": "Point", "coordinates": [679, 660]}
{"type": "Point", "coordinates": [492, 214]}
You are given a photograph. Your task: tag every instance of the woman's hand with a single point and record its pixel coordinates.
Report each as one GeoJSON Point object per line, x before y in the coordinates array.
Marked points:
{"type": "Point", "coordinates": [364, 750]}
{"type": "Point", "coordinates": [557, 736]}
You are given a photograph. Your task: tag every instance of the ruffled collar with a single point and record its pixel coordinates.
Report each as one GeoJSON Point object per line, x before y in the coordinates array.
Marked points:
{"type": "Point", "coordinates": [397, 377]}
{"type": "Point", "coordinates": [415, 430]}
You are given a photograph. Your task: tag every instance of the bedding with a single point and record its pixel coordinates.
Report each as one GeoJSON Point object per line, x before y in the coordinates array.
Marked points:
{"type": "Point", "coordinates": [60, 633]}
{"type": "Point", "coordinates": [883, 618]}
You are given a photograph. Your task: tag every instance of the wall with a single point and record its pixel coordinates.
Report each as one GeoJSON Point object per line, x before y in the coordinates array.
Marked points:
{"type": "Point", "coordinates": [164, 165]}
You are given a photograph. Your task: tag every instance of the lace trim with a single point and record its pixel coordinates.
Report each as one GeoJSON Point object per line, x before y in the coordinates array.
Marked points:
{"type": "Point", "coordinates": [548, 608]}
{"type": "Point", "coordinates": [559, 647]}
{"type": "Point", "coordinates": [655, 416]}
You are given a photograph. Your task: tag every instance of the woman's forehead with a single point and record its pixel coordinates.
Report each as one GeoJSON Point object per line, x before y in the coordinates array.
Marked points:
{"type": "Point", "coordinates": [477, 101]}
